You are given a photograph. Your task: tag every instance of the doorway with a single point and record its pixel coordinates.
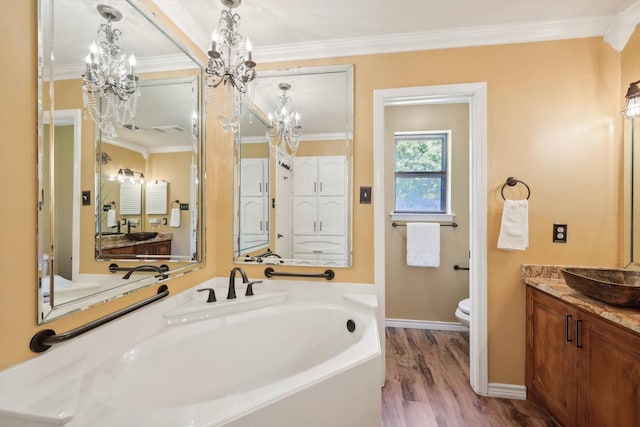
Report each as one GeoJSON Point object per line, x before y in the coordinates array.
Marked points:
{"type": "Point", "coordinates": [474, 94]}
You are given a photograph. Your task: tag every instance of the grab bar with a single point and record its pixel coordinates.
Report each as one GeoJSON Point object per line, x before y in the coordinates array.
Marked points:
{"type": "Point", "coordinates": [44, 339]}
{"type": "Point", "coordinates": [328, 274]}
{"type": "Point", "coordinates": [453, 224]}
{"type": "Point", "coordinates": [163, 268]}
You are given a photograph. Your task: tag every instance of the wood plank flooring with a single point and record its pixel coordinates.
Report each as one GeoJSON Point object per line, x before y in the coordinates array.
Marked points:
{"type": "Point", "coordinates": [428, 385]}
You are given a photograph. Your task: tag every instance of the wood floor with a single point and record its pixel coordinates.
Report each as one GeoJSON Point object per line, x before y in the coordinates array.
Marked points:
{"type": "Point", "coordinates": [428, 385]}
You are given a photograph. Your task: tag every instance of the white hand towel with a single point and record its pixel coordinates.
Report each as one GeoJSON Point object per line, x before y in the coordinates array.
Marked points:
{"type": "Point", "coordinates": [111, 218]}
{"type": "Point", "coordinates": [514, 229]}
{"type": "Point", "coordinates": [175, 218]}
{"type": "Point", "coordinates": [423, 244]}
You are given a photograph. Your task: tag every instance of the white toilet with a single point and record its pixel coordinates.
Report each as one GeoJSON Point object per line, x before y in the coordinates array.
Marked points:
{"type": "Point", "coordinates": [463, 312]}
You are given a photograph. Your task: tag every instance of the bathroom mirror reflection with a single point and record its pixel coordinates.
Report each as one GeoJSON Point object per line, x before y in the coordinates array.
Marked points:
{"type": "Point", "coordinates": [129, 195]}
{"type": "Point", "coordinates": [632, 192]}
{"type": "Point", "coordinates": [296, 211]}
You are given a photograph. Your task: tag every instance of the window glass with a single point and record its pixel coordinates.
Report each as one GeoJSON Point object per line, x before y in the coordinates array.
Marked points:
{"type": "Point", "coordinates": [421, 173]}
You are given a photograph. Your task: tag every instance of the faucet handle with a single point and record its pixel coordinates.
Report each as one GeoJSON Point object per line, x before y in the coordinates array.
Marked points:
{"type": "Point", "coordinates": [212, 294]}
{"type": "Point", "coordinates": [249, 292]}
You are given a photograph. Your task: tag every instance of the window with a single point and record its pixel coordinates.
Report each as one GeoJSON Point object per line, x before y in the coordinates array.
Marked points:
{"type": "Point", "coordinates": [421, 172]}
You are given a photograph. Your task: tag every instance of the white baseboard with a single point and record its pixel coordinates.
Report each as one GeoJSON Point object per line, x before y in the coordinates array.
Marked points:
{"type": "Point", "coordinates": [425, 324]}
{"type": "Point", "coordinates": [507, 391]}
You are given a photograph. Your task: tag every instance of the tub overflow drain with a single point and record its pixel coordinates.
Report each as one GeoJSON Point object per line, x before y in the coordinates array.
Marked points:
{"type": "Point", "coordinates": [351, 325]}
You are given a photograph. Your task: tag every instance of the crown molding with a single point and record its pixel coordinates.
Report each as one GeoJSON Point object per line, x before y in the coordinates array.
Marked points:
{"type": "Point", "coordinates": [441, 39]}
{"type": "Point", "coordinates": [147, 64]}
{"type": "Point", "coordinates": [622, 25]}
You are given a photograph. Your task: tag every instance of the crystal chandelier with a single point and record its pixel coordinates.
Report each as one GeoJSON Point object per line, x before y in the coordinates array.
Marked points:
{"type": "Point", "coordinates": [110, 89]}
{"type": "Point", "coordinates": [632, 101]}
{"type": "Point", "coordinates": [231, 66]}
{"type": "Point", "coordinates": [284, 128]}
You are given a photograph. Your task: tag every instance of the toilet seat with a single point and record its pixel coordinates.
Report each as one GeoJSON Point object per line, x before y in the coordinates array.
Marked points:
{"type": "Point", "coordinates": [463, 312]}
{"type": "Point", "coordinates": [465, 306]}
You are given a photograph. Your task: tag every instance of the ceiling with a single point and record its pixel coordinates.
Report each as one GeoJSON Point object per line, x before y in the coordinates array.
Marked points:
{"type": "Point", "coordinates": [304, 28]}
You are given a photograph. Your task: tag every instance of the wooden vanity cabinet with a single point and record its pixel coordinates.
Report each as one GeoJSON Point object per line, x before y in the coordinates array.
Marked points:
{"type": "Point", "coordinates": [151, 248]}
{"type": "Point", "coordinates": [582, 368]}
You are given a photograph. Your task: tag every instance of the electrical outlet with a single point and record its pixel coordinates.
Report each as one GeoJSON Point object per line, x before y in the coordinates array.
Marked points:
{"type": "Point", "coordinates": [164, 221]}
{"type": "Point", "coordinates": [560, 233]}
{"type": "Point", "coordinates": [184, 206]}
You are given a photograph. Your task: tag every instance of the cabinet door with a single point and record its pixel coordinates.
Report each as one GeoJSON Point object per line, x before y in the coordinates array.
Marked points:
{"type": "Point", "coordinates": [331, 176]}
{"type": "Point", "coordinates": [252, 177]}
{"type": "Point", "coordinates": [305, 176]}
{"type": "Point", "coordinates": [252, 217]}
{"type": "Point", "coordinates": [608, 375]}
{"type": "Point", "coordinates": [331, 216]}
{"type": "Point", "coordinates": [304, 215]}
{"type": "Point", "coordinates": [551, 355]}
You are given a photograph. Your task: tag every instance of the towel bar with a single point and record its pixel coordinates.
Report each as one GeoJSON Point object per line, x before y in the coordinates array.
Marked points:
{"type": "Point", "coordinates": [453, 224]}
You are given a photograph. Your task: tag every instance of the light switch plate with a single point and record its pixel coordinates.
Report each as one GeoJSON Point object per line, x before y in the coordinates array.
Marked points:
{"type": "Point", "coordinates": [365, 195]}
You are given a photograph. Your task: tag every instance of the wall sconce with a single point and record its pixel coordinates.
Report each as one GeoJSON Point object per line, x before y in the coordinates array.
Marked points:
{"type": "Point", "coordinates": [632, 105]}
{"type": "Point", "coordinates": [127, 175]}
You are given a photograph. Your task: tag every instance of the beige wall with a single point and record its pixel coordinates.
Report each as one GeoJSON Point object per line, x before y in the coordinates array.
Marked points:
{"type": "Point", "coordinates": [553, 121]}
{"type": "Point", "coordinates": [418, 293]}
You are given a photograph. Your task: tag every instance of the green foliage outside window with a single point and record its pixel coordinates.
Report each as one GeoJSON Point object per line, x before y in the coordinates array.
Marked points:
{"type": "Point", "coordinates": [420, 173]}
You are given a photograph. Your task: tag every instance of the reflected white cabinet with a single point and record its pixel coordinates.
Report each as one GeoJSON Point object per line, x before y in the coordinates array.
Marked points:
{"type": "Point", "coordinates": [319, 209]}
{"type": "Point", "coordinates": [254, 203]}
{"type": "Point", "coordinates": [321, 176]}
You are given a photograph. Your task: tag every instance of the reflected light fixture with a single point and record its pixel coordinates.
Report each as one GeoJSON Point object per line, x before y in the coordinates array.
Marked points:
{"type": "Point", "coordinates": [632, 105]}
{"type": "Point", "coordinates": [284, 130]}
{"type": "Point", "coordinates": [230, 66]}
{"type": "Point", "coordinates": [110, 87]}
{"type": "Point", "coordinates": [129, 176]}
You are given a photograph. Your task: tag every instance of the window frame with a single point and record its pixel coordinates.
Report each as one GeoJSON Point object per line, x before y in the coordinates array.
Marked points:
{"type": "Point", "coordinates": [445, 213]}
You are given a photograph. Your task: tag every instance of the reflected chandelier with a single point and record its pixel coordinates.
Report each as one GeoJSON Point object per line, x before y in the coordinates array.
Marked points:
{"type": "Point", "coordinates": [110, 89]}
{"type": "Point", "coordinates": [632, 101]}
{"type": "Point", "coordinates": [284, 128]}
{"type": "Point", "coordinates": [230, 65]}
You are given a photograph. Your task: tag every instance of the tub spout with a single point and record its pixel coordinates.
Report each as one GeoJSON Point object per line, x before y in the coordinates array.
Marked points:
{"type": "Point", "coordinates": [231, 294]}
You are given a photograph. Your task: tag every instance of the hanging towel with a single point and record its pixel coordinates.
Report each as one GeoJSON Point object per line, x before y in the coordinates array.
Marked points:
{"type": "Point", "coordinates": [175, 217]}
{"type": "Point", "coordinates": [111, 218]}
{"type": "Point", "coordinates": [514, 229]}
{"type": "Point", "coordinates": [423, 244]}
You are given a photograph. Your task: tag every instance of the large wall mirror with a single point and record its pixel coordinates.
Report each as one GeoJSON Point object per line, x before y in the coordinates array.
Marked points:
{"type": "Point", "coordinates": [632, 193]}
{"type": "Point", "coordinates": [296, 212]}
{"type": "Point", "coordinates": [114, 198]}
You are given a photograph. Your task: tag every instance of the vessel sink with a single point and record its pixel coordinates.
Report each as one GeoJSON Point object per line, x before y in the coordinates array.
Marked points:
{"type": "Point", "coordinates": [614, 286]}
{"type": "Point", "coordinates": [141, 235]}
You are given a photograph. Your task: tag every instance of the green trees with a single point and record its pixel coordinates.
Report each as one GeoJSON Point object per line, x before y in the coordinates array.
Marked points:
{"type": "Point", "coordinates": [420, 173]}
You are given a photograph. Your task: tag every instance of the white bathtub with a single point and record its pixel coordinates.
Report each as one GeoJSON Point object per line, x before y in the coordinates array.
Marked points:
{"type": "Point", "coordinates": [265, 361]}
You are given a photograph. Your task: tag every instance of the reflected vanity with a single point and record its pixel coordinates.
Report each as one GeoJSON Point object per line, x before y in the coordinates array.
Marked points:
{"type": "Point", "coordinates": [132, 196]}
{"type": "Point", "coordinates": [297, 212]}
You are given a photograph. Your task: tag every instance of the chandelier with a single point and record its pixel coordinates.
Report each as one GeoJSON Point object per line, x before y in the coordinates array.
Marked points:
{"type": "Point", "coordinates": [231, 66]}
{"type": "Point", "coordinates": [284, 128]}
{"type": "Point", "coordinates": [632, 101]}
{"type": "Point", "coordinates": [110, 89]}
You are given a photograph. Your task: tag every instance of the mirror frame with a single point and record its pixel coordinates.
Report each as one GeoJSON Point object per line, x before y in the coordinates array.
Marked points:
{"type": "Point", "coordinates": [255, 254]}
{"type": "Point", "coordinates": [111, 286]}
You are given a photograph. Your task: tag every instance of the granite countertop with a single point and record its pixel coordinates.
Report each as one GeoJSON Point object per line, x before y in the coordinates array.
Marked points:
{"type": "Point", "coordinates": [119, 241]}
{"type": "Point", "coordinates": [548, 279]}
